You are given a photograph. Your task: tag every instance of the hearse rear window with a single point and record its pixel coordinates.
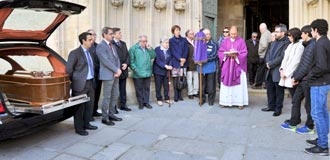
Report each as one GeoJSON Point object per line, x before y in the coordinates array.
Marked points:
{"type": "Point", "coordinates": [21, 19]}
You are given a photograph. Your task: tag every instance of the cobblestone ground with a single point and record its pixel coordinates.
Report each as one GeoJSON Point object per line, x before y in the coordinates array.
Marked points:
{"type": "Point", "coordinates": [183, 132]}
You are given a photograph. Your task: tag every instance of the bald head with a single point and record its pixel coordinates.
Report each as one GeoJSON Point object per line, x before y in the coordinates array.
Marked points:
{"type": "Point", "coordinates": [262, 27]}
{"type": "Point", "coordinates": [233, 32]}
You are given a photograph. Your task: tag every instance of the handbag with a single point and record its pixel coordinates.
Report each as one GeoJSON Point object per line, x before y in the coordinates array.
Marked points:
{"type": "Point", "coordinates": [182, 82]}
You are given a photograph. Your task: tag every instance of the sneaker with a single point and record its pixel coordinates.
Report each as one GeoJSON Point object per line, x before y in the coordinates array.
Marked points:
{"type": "Point", "coordinates": [305, 130]}
{"type": "Point", "coordinates": [316, 150]}
{"type": "Point", "coordinates": [312, 142]}
{"type": "Point", "coordinates": [287, 126]}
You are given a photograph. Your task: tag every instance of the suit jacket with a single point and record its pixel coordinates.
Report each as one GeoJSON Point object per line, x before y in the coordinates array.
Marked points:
{"type": "Point", "coordinates": [123, 57]}
{"type": "Point", "coordinates": [253, 56]}
{"type": "Point", "coordinates": [274, 57]}
{"type": "Point", "coordinates": [77, 68]}
{"type": "Point", "coordinates": [109, 61]}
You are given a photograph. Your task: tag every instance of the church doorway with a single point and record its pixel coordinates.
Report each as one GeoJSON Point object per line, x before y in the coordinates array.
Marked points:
{"type": "Point", "coordinates": [268, 11]}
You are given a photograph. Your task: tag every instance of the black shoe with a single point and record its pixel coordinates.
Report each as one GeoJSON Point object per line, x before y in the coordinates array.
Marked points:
{"type": "Point", "coordinates": [141, 106]}
{"type": "Point", "coordinates": [108, 122]}
{"type": "Point", "coordinates": [116, 110]}
{"type": "Point", "coordinates": [181, 99]}
{"type": "Point", "coordinates": [267, 109]}
{"type": "Point", "coordinates": [147, 105]}
{"type": "Point", "coordinates": [317, 151]}
{"type": "Point", "coordinates": [176, 100]}
{"type": "Point", "coordinates": [82, 132]}
{"type": "Point", "coordinates": [277, 113]}
{"type": "Point", "coordinates": [211, 103]}
{"type": "Point", "coordinates": [312, 142]}
{"type": "Point", "coordinates": [91, 127]}
{"type": "Point", "coordinates": [196, 95]}
{"type": "Point", "coordinates": [97, 114]}
{"type": "Point", "coordinates": [125, 108]}
{"type": "Point", "coordinates": [191, 97]}
{"type": "Point", "coordinates": [114, 118]}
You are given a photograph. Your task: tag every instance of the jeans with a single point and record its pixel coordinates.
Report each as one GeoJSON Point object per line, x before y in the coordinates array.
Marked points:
{"type": "Point", "coordinates": [320, 114]}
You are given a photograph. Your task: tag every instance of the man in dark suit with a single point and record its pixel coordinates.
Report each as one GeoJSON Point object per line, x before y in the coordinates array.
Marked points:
{"type": "Point", "coordinates": [80, 68]}
{"type": "Point", "coordinates": [98, 83]}
{"type": "Point", "coordinates": [109, 74]}
{"type": "Point", "coordinates": [253, 57]}
{"type": "Point", "coordinates": [123, 54]}
{"type": "Point", "coordinates": [274, 57]}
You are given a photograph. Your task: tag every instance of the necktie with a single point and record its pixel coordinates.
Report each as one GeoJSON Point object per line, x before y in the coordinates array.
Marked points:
{"type": "Point", "coordinates": [90, 63]}
{"type": "Point", "coordinates": [118, 43]}
{"type": "Point", "coordinates": [113, 51]}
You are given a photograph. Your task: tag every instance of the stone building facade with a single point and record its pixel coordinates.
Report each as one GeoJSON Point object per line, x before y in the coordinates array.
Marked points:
{"type": "Point", "coordinates": [154, 18]}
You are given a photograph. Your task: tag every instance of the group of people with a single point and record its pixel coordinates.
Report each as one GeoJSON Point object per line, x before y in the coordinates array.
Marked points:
{"type": "Point", "coordinates": [297, 60]}
{"type": "Point", "coordinates": [284, 61]}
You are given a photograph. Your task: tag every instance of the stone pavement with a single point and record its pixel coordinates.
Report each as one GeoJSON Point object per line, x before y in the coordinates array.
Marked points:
{"type": "Point", "coordinates": [183, 132]}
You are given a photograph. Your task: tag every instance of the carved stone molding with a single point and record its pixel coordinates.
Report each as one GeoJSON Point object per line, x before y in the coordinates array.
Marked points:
{"type": "Point", "coordinates": [311, 2]}
{"type": "Point", "coordinates": [160, 4]}
{"type": "Point", "coordinates": [179, 5]}
{"type": "Point", "coordinates": [117, 3]}
{"type": "Point", "coordinates": [139, 4]}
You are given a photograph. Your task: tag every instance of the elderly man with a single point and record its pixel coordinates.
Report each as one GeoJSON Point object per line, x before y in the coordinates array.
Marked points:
{"type": "Point", "coordinates": [264, 41]}
{"type": "Point", "coordinates": [233, 58]}
{"type": "Point", "coordinates": [141, 55]}
{"type": "Point", "coordinates": [253, 57]}
{"type": "Point", "coordinates": [209, 69]}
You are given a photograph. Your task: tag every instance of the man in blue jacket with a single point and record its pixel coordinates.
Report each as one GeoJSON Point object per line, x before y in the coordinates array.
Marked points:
{"type": "Point", "coordinates": [209, 69]}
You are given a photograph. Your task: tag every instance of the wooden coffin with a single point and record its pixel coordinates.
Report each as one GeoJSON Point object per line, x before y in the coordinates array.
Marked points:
{"type": "Point", "coordinates": [35, 88]}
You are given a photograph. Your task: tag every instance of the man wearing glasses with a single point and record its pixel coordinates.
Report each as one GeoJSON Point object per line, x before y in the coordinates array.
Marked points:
{"type": "Point", "coordinates": [273, 59]}
{"type": "Point", "coordinates": [252, 45]}
{"type": "Point", "coordinates": [141, 55]}
{"type": "Point", "coordinates": [109, 74]}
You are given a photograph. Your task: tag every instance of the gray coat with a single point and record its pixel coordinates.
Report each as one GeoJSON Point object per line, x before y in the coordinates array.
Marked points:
{"type": "Point", "coordinates": [77, 68]}
{"type": "Point", "coordinates": [109, 61]}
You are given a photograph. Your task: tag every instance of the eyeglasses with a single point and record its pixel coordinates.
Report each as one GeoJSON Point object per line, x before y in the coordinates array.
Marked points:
{"type": "Point", "coordinates": [289, 35]}
{"type": "Point", "coordinates": [225, 31]}
{"type": "Point", "coordinates": [143, 41]}
{"type": "Point", "coordinates": [254, 36]}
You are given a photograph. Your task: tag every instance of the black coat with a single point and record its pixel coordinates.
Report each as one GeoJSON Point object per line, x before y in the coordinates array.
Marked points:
{"type": "Point", "coordinates": [253, 56]}
{"type": "Point", "coordinates": [305, 62]}
{"type": "Point", "coordinates": [274, 57]}
{"type": "Point", "coordinates": [123, 57]}
{"type": "Point", "coordinates": [319, 73]}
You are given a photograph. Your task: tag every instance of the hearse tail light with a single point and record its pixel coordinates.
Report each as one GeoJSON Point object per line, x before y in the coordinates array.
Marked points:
{"type": "Point", "coordinates": [2, 108]}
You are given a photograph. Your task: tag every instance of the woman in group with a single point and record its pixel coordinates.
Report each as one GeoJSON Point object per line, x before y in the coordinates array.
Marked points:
{"type": "Point", "coordinates": [161, 68]}
{"type": "Point", "coordinates": [179, 50]}
{"type": "Point", "coordinates": [291, 59]}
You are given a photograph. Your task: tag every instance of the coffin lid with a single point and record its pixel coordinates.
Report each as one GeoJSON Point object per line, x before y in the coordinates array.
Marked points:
{"type": "Point", "coordinates": [33, 20]}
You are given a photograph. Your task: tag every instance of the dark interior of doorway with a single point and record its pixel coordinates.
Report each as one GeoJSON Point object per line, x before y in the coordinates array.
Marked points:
{"type": "Point", "coordinates": [271, 12]}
